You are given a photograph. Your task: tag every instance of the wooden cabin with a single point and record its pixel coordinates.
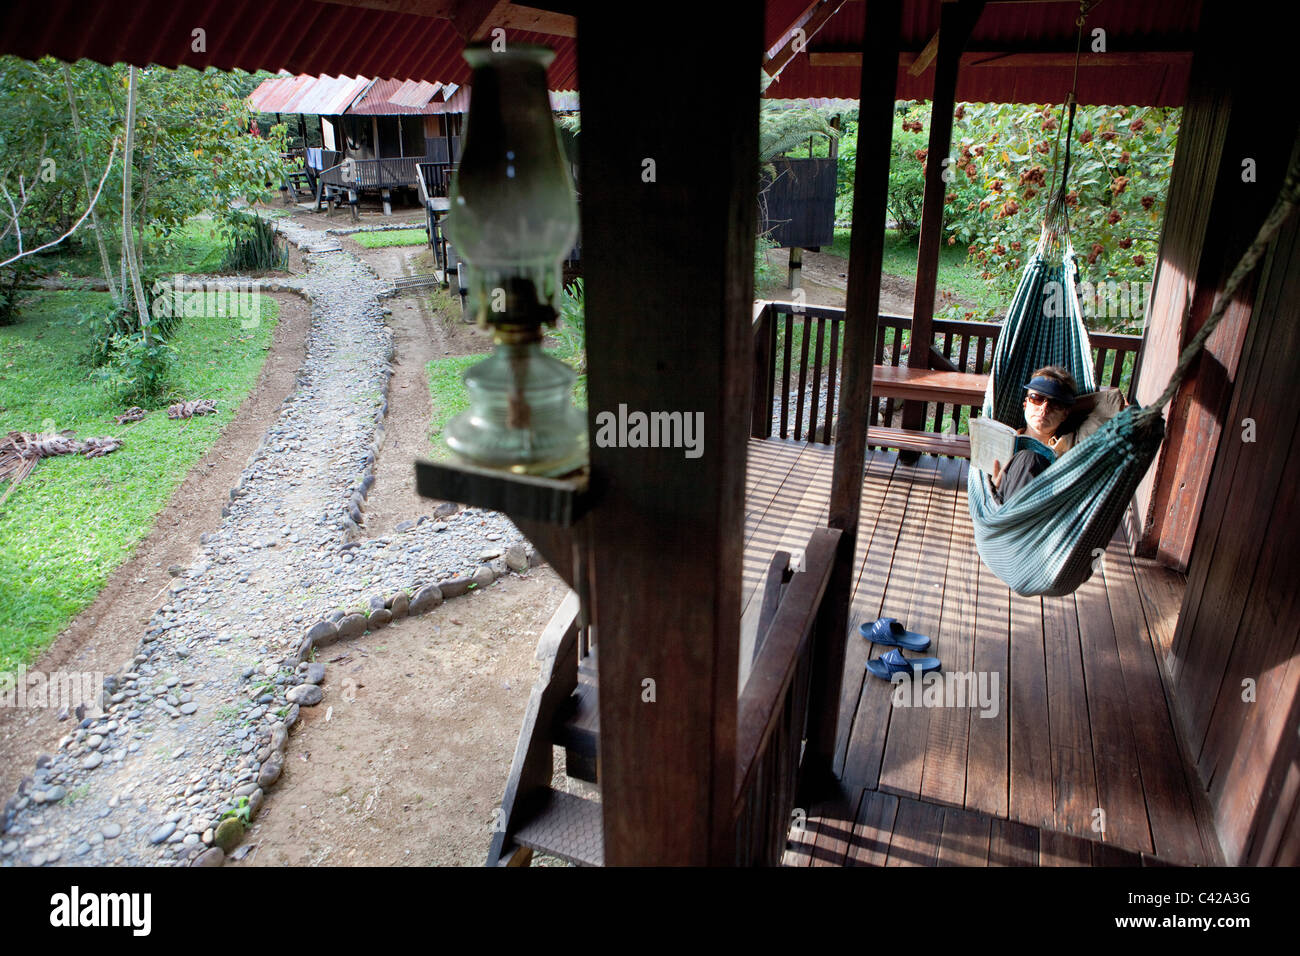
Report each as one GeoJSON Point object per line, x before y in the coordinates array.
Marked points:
{"type": "Point", "coordinates": [373, 132]}
{"type": "Point", "coordinates": [1165, 693]}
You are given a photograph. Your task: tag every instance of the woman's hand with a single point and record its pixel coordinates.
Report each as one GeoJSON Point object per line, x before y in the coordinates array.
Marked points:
{"type": "Point", "coordinates": [996, 477]}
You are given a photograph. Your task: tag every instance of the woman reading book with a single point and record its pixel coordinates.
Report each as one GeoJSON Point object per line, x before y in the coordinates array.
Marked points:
{"type": "Point", "coordinates": [1049, 398]}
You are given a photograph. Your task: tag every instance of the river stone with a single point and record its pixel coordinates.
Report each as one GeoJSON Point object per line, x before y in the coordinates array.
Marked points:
{"type": "Point", "coordinates": [270, 772]}
{"type": "Point", "coordinates": [446, 509]}
{"type": "Point", "coordinates": [353, 625]}
{"type": "Point", "coordinates": [380, 618]}
{"type": "Point", "coordinates": [91, 762]}
{"type": "Point", "coordinates": [255, 803]}
{"type": "Point", "coordinates": [162, 833]}
{"type": "Point", "coordinates": [426, 599]}
{"type": "Point", "coordinates": [229, 832]}
{"type": "Point", "coordinates": [111, 831]}
{"type": "Point", "coordinates": [484, 576]}
{"type": "Point", "coordinates": [401, 605]}
{"type": "Point", "coordinates": [322, 633]}
{"type": "Point", "coordinates": [213, 856]}
{"type": "Point", "coordinates": [516, 559]}
{"type": "Point", "coordinates": [305, 695]}
{"type": "Point", "coordinates": [315, 673]}
{"type": "Point", "coordinates": [455, 587]}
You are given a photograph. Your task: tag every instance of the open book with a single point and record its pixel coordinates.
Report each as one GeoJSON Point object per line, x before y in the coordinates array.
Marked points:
{"type": "Point", "coordinates": [990, 441]}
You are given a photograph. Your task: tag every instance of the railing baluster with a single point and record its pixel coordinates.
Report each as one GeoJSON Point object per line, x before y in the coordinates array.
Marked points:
{"type": "Point", "coordinates": [830, 380]}
{"type": "Point", "coordinates": [785, 375]}
{"type": "Point", "coordinates": [965, 355]}
{"type": "Point", "coordinates": [814, 400]}
{"type": "Point", "coordinates": [803, 377]}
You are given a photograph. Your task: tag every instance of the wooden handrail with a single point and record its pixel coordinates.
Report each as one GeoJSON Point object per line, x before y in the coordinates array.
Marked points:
{"type": "Point", "coordinates": [785, 643]}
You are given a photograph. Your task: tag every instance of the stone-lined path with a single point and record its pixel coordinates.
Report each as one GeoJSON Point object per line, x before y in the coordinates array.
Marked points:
{"type": "Point", "coordinates": [196, 725]}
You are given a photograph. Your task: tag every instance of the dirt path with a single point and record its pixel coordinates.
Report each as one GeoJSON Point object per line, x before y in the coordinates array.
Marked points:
{"type": "Point", "coordinates": [104, 636]}
{"type": "Point", "coordinates": [420, 334]}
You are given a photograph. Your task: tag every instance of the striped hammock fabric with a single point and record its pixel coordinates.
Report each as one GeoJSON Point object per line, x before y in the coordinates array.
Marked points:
{"type": "Point", "coordinates": [1045, 540]}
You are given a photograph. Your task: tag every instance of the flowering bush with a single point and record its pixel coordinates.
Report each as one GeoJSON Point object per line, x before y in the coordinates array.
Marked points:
{"type": "Point", "coordinates": [1004, 158]}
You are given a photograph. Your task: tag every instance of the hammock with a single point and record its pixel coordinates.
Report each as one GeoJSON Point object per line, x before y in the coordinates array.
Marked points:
{"type": "Point", "coordinates": [1047, 538]}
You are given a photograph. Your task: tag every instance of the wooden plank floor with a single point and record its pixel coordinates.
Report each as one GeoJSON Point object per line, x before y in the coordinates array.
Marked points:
{"type": "Point", "coordinates": [1073, 740]}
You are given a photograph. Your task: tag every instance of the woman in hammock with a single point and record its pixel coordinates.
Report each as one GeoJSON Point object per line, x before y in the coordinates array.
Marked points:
{"type": "Point", "coordinates": [1049, 397]}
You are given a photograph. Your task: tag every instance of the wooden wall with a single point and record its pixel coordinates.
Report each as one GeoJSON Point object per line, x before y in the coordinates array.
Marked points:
{"type": "Point", "coordinates": [1235, 659]}
{"type": "Point", "coordinates": [1212, 217]}
{"type": "Point", "coordinates": [800, 203]}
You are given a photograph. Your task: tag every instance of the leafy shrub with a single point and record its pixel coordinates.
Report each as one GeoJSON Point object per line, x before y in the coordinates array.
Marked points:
{"type": "Point", "coordinates": [12, 295]}
{"type": "Point", "coordinates": [252, 245]}
{"type": "Point", "coordinates": [571, 332]}
{"type": "Point", "coordinates": [137, 372]}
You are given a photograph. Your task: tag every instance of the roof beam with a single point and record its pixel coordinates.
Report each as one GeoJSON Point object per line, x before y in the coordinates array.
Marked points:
{"type": "Point", "coordinates": [976, 59]}
{"type": "Point", "coordinates": [798, 34]}
{"type": "Point", "coordinates": [475, 19]}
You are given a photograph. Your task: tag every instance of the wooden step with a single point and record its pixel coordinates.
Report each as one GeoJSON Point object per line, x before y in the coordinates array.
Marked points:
{"type": "Point", "coordinates": [906, 439]}
{"type": "Point", "coordinates": [565, 826]}
{"type": "Point", "coordinates": [577, 726]}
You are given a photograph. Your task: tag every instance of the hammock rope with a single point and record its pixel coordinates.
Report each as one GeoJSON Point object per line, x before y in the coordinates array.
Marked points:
{"type": "Point", "coordinates": [1046, 540]}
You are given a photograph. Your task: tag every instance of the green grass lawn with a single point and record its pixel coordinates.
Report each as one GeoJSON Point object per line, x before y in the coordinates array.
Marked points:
{"type": "Point", "coordinates": [955, 273]}
{"type": "Point", "coordinates": [393, 237]}
{"type": "Point", "coordinates": [74, 519]}
{"type": "Point", "coordinates": [449, 398]}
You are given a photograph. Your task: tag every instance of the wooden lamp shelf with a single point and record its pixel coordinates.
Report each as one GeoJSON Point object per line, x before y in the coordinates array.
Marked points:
{"type": "Point", "coordinates": [553, 501]}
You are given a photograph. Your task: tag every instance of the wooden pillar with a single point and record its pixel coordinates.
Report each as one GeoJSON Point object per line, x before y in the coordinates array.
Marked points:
{"type": "Point", "coordinates": [880, 43]}
{"type": "Point", "coordinates": [956, 21]}
{"type": "Point", "coordinates": [795, 276]}
{"type": "Point", "coordinates": [667, 533]}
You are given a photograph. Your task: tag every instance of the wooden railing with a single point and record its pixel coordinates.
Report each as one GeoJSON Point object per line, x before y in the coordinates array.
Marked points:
{"type": "Point", "coordinates": [773, 712]}
{"type": "Point", "coordinates": [797, 349]}
{"type": "Point", "coordinates": [374, 173]}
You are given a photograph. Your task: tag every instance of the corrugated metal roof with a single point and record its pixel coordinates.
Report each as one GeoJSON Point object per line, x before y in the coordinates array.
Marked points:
{"type": "Point", "coordinates": [298, 36]}
{"type": "Point", "coordinates": [1130, 25]}
{"type": "Point", "coordinates": [308, 37]}
{"type": "Point", "coordinates": [314, 95]}
{"type": "Point", "coordinates": [415, 95]}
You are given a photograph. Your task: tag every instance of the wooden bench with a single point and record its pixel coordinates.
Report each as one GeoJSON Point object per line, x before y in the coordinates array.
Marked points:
{"type": "Point", "coordinates": [925, 385]}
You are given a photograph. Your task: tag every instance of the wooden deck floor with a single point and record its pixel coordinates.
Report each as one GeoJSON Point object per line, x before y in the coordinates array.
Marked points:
{"type": "Point", "coordinates": [1078, 742]}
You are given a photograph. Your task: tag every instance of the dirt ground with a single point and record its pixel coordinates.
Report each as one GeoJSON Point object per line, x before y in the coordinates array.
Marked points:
{"type": "Point", "coordinates": [406, 758]}
{"type": "Point", "coordinates": [825, 281]}
{"type": "Point", "coordinates": [105, 635]}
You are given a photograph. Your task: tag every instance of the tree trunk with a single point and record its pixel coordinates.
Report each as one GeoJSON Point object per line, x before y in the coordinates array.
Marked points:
{"type": "Point", "coordinates": [85, 178]}
{"type": "Point", "coordinates": [128, 245]}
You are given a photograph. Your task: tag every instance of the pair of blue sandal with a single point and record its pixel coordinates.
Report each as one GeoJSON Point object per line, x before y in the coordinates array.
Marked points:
{"type": "Point", "coordinates": [889, 632]}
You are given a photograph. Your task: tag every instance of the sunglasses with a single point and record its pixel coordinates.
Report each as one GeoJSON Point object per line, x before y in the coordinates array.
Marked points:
{"type": "Point", "coordinates": [1034, 398]}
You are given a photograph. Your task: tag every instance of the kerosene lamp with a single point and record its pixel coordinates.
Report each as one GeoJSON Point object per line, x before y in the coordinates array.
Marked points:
{"type": "Point", "coordinates": [513, 218]}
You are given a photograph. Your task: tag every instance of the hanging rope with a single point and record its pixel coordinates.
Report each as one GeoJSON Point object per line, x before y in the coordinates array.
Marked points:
{"type": "Point", "coordinates": [1286, 203]}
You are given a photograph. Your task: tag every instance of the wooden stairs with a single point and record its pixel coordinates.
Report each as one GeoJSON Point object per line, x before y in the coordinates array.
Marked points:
{"type": "Point", "coordinates": [563, 712]}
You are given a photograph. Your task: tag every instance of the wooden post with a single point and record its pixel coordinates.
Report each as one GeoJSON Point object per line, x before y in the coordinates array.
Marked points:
{"type": "Point", "coordinates": [956, 20]}
{"type": "Point", "coordinates": [667, 534]}
{"type": "Point", "coordinates": [880, 43]}
{"type": "Point", "coordinates": [795, 275]}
